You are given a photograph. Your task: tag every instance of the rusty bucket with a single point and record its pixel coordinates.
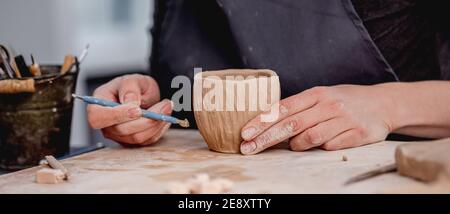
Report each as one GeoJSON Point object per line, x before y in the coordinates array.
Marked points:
{"type": "Point", "coordinates": [33, 125]}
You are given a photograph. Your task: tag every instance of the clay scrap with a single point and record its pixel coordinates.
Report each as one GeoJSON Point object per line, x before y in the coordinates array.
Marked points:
{"type": "Point", "coordinates": [52, 173]}
{"type": "Point", "coordinates": [49, 176]}
{"type": "Point", "coordinates": [201, 184]}
{"type": "Point", "coordinates": [426, 161]}
{"type": "Point", "coordinates": [55, 164]}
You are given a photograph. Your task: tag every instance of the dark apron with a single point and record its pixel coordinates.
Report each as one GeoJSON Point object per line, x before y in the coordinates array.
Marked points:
{"type": "Point", "coordinates": [307, 42]}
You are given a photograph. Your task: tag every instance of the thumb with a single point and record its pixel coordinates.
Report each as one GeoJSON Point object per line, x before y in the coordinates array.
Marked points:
{"type": "Point", "coordinates": [129, 91]}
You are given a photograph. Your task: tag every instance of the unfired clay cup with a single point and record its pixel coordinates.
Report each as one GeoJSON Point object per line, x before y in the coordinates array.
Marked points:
{"type": "Point", "coordinates": [221, 124]}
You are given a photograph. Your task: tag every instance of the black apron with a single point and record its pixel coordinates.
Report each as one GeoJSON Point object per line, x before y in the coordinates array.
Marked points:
{"type": "Point", "coordinates": [307, 42]}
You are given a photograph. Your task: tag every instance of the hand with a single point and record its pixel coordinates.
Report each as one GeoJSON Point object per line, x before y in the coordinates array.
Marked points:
{"type": "Point", "coordinates": [124, 124]}
{"type": "Point", "coordinates": [331, 118]}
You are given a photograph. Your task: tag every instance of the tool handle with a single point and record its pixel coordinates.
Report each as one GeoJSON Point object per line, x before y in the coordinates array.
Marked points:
{"type": "Point", "coordinates": [96, 101]}
{"type": "Point", "coordinates": [156, 116]}
{"type": "Point", "coordinates": [145, 113]}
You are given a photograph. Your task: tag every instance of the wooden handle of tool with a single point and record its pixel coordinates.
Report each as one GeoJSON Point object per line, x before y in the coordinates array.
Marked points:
{"type": "Point", "coordinates": [55, 164]}
{"type": "Point", "coordinates": [35, 70]}
{"type": "Point", "coordinates": [13, 86]}
{"type": "Point", "coordinates": [69, 61]}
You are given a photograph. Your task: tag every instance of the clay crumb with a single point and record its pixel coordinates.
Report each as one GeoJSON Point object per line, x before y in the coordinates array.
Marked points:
{"type": "Point", "coordinates": [344, 158]}
{"type": "Point", "coordinates": [201, 184]}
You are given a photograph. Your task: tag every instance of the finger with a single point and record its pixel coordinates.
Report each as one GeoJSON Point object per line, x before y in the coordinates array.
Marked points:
{"type": "Point", "coordinates": [108, 91]}
{"type": "Point", "coordinates": [286, 107]}
{"type": "Point", "coordinates": [319, 134]}
{"type": "Point", "coordinates": [139, 125]}
{"type": "Point", "coordinates": [158, 135]}
{"type": "Point", "coordinates": [348, 139]}
{"type": "Point", "coordinates": [151, 95]}
{"type": "Point", "coordinates": [100, 117]}
{"type": "Point", "coordinates": [129, 90]}
{"type": "Point", "coordinates": [287, 128]}
{"type": "Point", "coordinates": [137, 138]}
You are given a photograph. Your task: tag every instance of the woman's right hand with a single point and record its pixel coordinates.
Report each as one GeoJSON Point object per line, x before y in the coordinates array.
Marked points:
{"type": "Point", "coordinates": [124, 124]}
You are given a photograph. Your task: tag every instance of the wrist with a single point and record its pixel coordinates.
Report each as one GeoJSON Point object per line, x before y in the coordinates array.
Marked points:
{"type": "Point", "coordinates": [393, 102]}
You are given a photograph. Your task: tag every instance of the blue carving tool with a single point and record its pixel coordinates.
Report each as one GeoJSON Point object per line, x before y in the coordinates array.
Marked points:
{"type": "Point", "coordinates": [145, 113]}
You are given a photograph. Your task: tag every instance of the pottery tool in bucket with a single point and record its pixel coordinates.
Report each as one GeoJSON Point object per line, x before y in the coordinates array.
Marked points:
{"type": "Point", "coordinates": [146, 114]}
{"type": "Point", "coordinates": [35, 109]}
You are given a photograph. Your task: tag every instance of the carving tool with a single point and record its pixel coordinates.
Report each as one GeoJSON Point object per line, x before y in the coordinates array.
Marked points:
{"type": "Point", "coordinates": [70, 60]}
{"type": "Point", "coordinates": [4, 58]}
{"type": "Point", "coordinates": [84, 53]}
{"type": "Point", "coordinates": [22, 66]}
{"type": "Point", "coordinates": [145, 113]}
{"type": "Point", "coordinates": [15, 69]}
{"type": "Point", "coordinates": [35, 69]}
{"type": "Point", "coordinates": [426, 161]}
{"type": "Point", "coordinates": [372, 173]}
{"type": "Point", "coordinates": [2, 74]}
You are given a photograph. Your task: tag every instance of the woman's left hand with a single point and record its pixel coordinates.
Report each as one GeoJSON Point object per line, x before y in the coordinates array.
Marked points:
{"type": "Point", "coordinates": [330, 118]}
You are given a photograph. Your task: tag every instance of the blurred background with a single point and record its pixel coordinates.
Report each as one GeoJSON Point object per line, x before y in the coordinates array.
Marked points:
{"type": "Point", "coordinates": [117, 31]}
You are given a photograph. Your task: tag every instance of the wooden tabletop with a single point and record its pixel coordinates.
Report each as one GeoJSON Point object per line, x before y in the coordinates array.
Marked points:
{"type": "Point", "coordinates": [183, 153]}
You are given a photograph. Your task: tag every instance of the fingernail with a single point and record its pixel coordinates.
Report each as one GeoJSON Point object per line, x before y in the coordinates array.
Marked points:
{"type": "Point", "coordinates": [248, 147]}
{"type": "Point", "coordinates": [249, 133]}
{"type": "Point", "coordinates": [134, 112]}
{"type": "Point", "coordinates": [130, 98]}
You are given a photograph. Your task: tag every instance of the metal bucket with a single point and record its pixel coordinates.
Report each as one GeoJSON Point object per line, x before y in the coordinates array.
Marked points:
{"type": "Point", "coordinates": [33, 125]}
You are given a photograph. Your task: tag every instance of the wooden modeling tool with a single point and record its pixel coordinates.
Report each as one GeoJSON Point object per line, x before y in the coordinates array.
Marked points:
{"type": "Point", "coordinates": [14, 86]}
{"type": "Point", "coordinates": [35, 69]}
{"type": "Point", "coordinates": [69, 61]}
{"type": "Point", "coordinates": [147, 114]}
{"type": "Point", "coordinates": [15, 69]}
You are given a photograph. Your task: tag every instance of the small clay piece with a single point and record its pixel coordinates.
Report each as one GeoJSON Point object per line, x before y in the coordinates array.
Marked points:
{"type": "Point", "coordinates": [14, 86]}
{"type": "Point", "coordinates": [426, 161]}
{"type": "Point", "coordinates": [49, 176]}
{"type": "Point", "coordinates": [201, 184]}
{"type": "Point", "coordinates": [196, 183]}
{"type": "Point", "coordinates": [210, 188]}
{"type": "Point", "coordinates": [178, 188]}
{"type": "Point", "coordinates": [224, 101]}
{"type": "Point", "coordinates": [225, 184]}
{"type": "Point", "coordinates": [55, 164]}
{"type": "Point", "coordinates": [344, 158]}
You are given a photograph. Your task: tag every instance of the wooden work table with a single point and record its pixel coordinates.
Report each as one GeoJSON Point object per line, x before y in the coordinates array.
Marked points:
{"type": "Point", "coordinates": [182, 154]}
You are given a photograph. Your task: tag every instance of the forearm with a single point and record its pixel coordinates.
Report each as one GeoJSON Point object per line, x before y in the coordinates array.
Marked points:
{"type": "Point", "coordinates": [419, 109]}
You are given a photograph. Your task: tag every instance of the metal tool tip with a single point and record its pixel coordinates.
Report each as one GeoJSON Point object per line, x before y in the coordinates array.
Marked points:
{"type": "Point", "coordinates": [75, 96]}
{"type": "Point", "coordinates": [183, 123]}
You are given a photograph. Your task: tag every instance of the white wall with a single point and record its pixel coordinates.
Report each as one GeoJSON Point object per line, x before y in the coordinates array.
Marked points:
{"type": "Point", "coordinates": [117, 31]}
